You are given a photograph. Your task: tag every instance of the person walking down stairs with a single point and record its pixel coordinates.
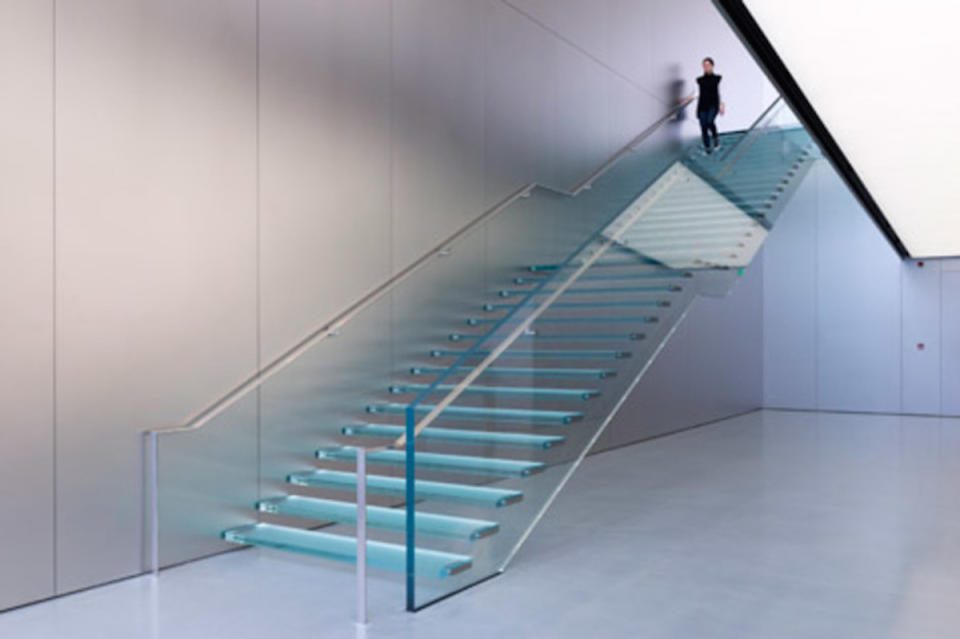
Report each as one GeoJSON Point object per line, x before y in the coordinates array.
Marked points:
{"type": "Point", "coordinates": [709, 105]}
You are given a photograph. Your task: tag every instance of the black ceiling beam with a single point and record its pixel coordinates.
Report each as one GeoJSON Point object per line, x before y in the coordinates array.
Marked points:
{"type": "Point", "coordinates": [766, 56]}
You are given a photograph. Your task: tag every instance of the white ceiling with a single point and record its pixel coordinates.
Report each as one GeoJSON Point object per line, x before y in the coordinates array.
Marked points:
{"type": "Point", "coordinates": [884, 76]}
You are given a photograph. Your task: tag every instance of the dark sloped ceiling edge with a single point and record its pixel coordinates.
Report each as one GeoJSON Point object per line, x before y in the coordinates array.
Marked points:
{"type": "Point", "coordinates": [766, 56]}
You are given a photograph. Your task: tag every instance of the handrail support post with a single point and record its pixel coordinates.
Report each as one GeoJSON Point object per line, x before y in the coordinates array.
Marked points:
{"type": "Point", "coordinates": [153, 502]}
{"type": "Point", "coordinates": [361, 536]}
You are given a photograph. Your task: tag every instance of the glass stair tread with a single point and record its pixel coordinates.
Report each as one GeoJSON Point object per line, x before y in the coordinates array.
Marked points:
{"type": "Point", "coordinates": [597, 373]}
{"type": "Point", "coordinates": [440, 461]}
{"type": "Point", "coordinates": [637, 262]}
{"type": "Point", "coordinates": [490, 307]}
{"type": "Point", "coordinates": [434, 525]}
{"type": "Point", "coordinates": [429, 563]}
{"type": "Point", "coordinates": [593, 319]}
{"type": "Point", "coordinates": [482, 437]}
{"type": "Point", "coordinates": [692, 198]}
{"type": "Point", "coordinates": [678, 222]}
{"type": "Point", "coordinates": [753, 181]}
{"type": "Point", "coordinates": [720, 239]}
{"type": "Point", "coordinates": [538, 416]}
{"type": "Point", "coordinates": [536, 354]}
{"type": "Point", "coordinates": [678, 225]}
{"type": "Point", "coordinates": [597, 290]}
{"type": "Point", "coordinates": [688, 209]}
{"type": "Point", "coordinates": [694, 209]}
{"type": "Point", "coordinates": [699, 213]}
{"type": "Point", "coordinates": [717, 254]}
{"type": "Point", "coordinates": [685, 235]}
{"type": "Point", "coordinates": [595, 277]}
{"type": "Point", "coordinates": [484, 496]}
{"type": "Point", "coordinates": [572, 337]}
{"type": "Point", "coordinates": [572, 393]}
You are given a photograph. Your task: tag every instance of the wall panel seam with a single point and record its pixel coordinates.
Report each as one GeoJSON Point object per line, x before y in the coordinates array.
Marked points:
{"type": "Point", "coordinates": [53, 273]}
{"type": "Point", "coordinates": [630, 81]}
{"type": "Point", "coordinates": [903, 343]}
{"type": "Point", "coordinates": [257, 248]}
{"type": "Point", "coordinates": [940, 341]}
{"type": "Point", "coordinates": [818, 185]}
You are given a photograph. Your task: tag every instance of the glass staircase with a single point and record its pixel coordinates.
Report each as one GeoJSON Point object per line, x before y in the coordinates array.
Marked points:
{"type": "Point", "coordinates": [475, 402]}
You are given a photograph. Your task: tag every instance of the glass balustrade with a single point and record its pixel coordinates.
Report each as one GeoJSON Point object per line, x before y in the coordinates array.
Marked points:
{"type": "Point", "coordinates": [479, 377]}
{"type": "Point", "coordinates": [555, 351]}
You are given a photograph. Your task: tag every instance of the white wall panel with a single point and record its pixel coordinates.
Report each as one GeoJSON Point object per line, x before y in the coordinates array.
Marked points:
{"type": "Point", "coordinates": [950, 339]}
{"type": "Point", "coordinates": [659, 45]}
{"type": "Point", "coordinates": [861, 322]}
{"type": "Point", "coordinates": [156, 269]}
{"type": "Point", "coordinates": [26, 290]}
{"type": "Point", "coordinates": [630, 45]}
{"type": "Point", "coordinates": [629, 111]}
{"type": "Point", "coordinates": [858, 354]}
{"type": "Point", "coordinates": [520, 96]}
{"type": "Point", "coordinates": [790, 302]}
{"type": "Point", "coordinates": [921, 336]}
{"type": "Point", "coordinates": [581, 129]}
{"type": "Point", "coordinates": [583, 24]}
{"type": "Point", "coordinates": [324, 161]}
{"type": "Point", "coordinates": [438, 116]}
{"type": "Point", "coordinates": [711, 368]}
{"type": "Point", "coordinates": [839, 299]}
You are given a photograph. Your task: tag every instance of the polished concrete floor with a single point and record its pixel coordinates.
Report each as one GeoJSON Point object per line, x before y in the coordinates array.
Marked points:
{"type": "Point", "coordinates": [773, 525]}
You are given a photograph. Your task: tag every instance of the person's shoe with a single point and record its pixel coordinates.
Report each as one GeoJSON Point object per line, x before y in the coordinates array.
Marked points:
{"type": "Point", "coordinates": [709, 150]}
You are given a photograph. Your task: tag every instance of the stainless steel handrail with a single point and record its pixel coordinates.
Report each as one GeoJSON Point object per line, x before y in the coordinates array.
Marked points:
{"type": "Point", "coordinates": [333, 326]}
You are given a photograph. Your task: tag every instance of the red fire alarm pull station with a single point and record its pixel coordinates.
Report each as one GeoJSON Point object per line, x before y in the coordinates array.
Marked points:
{"type": "Point", "coordinates": [920, 264]}
{"type": "Point", "coordinates": [921, 346]}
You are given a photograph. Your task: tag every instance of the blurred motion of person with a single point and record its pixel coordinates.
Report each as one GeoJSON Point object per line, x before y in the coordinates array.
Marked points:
{"type": "Point", "coordinates": [709, 105]}
{"type": "Point", "coordinates": [675, 91]}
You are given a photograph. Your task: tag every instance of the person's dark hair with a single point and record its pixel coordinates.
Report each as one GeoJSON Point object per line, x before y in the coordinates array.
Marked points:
{"type": "Point", "coordinates": [710, 60]}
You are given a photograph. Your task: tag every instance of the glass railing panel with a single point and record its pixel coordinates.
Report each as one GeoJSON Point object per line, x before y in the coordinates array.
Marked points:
{"type": "Point", "coordinates": [286, 431]}
{"type": "Point", "coordinates": [516, 340]}
{"type": "Point", "coordinates": [561, 379]}
{"type": "Point", "coordinates": [557, 345]}
{"type": "Point", "coordinates": [757, 169]}
{"type": "Point", "coordinates": [690, 224]}
{"type": "Point", "coordinates": [206, 482]}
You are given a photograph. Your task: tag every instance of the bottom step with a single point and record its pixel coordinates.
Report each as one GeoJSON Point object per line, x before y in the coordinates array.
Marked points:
{"type": "Point", "coordinates": [429, 563]}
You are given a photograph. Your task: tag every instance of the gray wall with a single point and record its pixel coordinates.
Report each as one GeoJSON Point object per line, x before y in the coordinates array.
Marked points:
{"type": "Point", "coordinates": [710, 369]}
{"type": "Point", "coordinates": [190, 187]}
{"type": "Point", "coordinates": [26, 282]}
{"type": "Point", "coordinates": [844, 317]}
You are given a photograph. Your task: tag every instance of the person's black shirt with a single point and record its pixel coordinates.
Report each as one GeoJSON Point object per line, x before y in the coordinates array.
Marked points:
{"type": "Point", "coordinates": [709, 92]}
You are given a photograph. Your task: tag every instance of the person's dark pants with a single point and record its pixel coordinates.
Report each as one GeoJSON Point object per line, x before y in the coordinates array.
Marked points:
{"type": "Point", "coordinates": [708, 125]}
